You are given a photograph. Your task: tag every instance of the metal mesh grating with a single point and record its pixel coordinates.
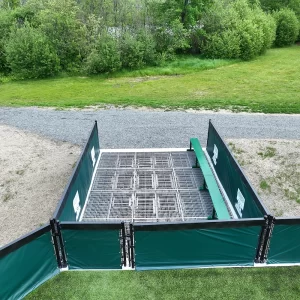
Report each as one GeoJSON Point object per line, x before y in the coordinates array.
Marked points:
{"type": "Point", "coordinates": [189, 178]}
{"type": "Point", "coordinates": [147, 187]}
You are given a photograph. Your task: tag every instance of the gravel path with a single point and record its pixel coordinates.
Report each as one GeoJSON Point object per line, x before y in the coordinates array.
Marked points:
{"type": "Point", "coordinates": [146, 128]}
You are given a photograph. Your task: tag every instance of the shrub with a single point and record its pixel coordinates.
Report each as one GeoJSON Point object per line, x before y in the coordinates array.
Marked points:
{"type": "Point", "coordinates": [30, 55]}
{"type": "Point", "coordinates": [252, 39]}
{"type": "Point", "coordinates": [226, 44]}
{"type": "Point", "coordinates": [6, 21]}
{"type": "Point", "coordinates": [104, 57]}
{"type": "Point", "coordinates": [171, 39]}
{"type": "Point", "coordinates": [268, 26]}
{"type": "Point", "coordinates": [148, 46]}
{"type": "Point", "coordinates": [235, 29]}
{"type": "Point", "coordinates": [287, 27]}
{"type": "Point", "coordinates": [132, 51]}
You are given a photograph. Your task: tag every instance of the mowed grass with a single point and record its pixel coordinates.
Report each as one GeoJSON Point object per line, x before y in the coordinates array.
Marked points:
{"type": "Point", "coordinates": [270, 84]}
{"type": "Point", "coordinates": [236, 283]}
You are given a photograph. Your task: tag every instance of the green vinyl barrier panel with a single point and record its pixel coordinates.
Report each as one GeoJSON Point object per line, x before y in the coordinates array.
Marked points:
{"type": "Point", "coordinates": [191, 248]}
{"type": "Point", "coordinates": [244, 200]}
{"type": "Point", "coordinates": [285, 244]}
{"type": "Point", "coordinates": [92, 248]}
{"type": "Point", "coordinates": [27, 263]}
{"type": "Point", "coordinates": [73, 200]}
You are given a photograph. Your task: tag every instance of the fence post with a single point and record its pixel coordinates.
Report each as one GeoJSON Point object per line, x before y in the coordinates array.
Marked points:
{"type": "Point", "coordinates": [58, 244]}
{"type": "Point", "coordinates": [132, 247]}
{"type": "Point", "coordinates": [264, 240]}
{"type": "Point", "coordinates": [123, 238]}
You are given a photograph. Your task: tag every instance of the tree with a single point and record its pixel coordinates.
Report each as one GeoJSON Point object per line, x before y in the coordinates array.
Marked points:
{"type": "Point", "coordinates": [29, 53]}
{"type": "Point", "coordinates": [65, 31]}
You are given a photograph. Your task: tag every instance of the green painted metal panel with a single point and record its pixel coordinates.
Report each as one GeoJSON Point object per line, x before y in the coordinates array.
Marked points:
{"type": "Point", "coordinates": [285, 244]}
{"type": "Point", "coordinates": [196, 248]}
{"type": "Point", "coordinates": [212, 186]}
{"type": "Point", "coordinates": [71, 208]}
{"type": "Point", "coordinates": [242, 197]}
{"type": "Point", "coordinates": [24, 269]}
{"type": "Point", "coordinates": [92, 249]}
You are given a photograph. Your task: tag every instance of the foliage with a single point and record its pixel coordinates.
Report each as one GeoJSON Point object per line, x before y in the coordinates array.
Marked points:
{"type": "Point", "coordinates": [6, 20]}
{"type": "Point", "coordinates": [170, 39]}
{"type": "Point", "coordinates": [235, 29]}
{"type": "Point", "coordinates": [287, 27]}
{"type": "Point", "coordinates": [30, 55]}
{"type": "Point", "coordinates": [58, 20]}
{"type": "Point", "coordinates": [132, 52]}
{"type": "Point", "coordinates": [142, 33]}
{"type": "Point", "coordinates": [105, 57]}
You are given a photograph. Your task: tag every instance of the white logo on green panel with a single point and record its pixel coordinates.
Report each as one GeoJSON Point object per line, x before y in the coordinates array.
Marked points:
{"type": "Point", "coordinates": [93, 156]}
{"type": "Point", "coordinates": [76, 205]}
{"type": "Point", "coordinates": [215, 157]}
{"type": "Point", "coordinates": [240, 202]}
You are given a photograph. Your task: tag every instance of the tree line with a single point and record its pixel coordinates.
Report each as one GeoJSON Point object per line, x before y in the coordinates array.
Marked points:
{"type": "Point", "coordinates": [40, 38]}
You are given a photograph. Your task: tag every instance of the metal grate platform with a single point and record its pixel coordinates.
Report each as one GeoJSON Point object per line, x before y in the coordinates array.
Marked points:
{"type": "Point", "coordinates": [147, 187]}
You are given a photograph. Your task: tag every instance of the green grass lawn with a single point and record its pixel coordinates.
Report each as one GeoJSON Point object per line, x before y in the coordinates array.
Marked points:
{"type": "Point", "coordinates": [270, 84]}
{"type": "Point", "coordinates": [235, 283]}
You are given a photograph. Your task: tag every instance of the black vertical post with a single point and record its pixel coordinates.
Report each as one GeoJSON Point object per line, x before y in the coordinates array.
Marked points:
{"type": "Point", "coordinates": [58, 244]}
{"type": "Point", "coordinates": [209, 122]}
{"type": "Point", "coordinates": [261, 241]}
{"type": "Point", "coordinates": [267, 238]}
{"type": "Point", "coordinates": [264, 240]}
{"type": "Point", "coordinates": [62, 247]}
{"type": "Point", "coordinates": [123, 243]}
{"type": "Point", "coordinates": [55, 242]}
{"type": "Point", "coordinates": [132, 246]}
{"type": "Point", "coordinates": [214, 214]}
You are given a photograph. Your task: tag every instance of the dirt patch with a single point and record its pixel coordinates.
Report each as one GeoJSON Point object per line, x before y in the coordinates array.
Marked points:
{"type": "Point", "coordinates": [273, 167]}
{"type": "Point", "coordinates": [34, 172]}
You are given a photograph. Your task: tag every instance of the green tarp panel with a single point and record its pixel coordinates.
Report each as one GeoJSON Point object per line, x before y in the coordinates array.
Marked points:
{"type": "Point", "coordinates": [73, 200]}
{"type": "Point", "coordinates": [29, 263]}
{"type": "Point", "coordinates": [285, 244]}
{"type": "Point", "coordinates": [92, 249]}
{"type": "Point", "coordinates": [212, 186]}
{"type": "Point", "coordinates": [193, 248]}
{"type": "Point", "coordinates": [244, 200]}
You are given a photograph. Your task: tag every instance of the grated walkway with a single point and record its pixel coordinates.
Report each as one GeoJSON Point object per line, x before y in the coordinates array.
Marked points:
{"type": "Point", "coordinates": [147, 187]}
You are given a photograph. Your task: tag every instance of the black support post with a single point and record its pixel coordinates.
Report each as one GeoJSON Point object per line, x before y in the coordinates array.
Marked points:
{"type": "Point", "coordinates": [58, 244]}
{"type": "Point", "coordinates": [132, 247]}
{"type": "Point", "coordinates": [123, 243]}
{"type": "Point", "coordinates": [264, 240]}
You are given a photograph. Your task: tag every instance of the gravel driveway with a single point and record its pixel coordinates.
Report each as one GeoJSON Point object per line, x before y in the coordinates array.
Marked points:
{"type": "Point", "coordinates": [146, 129]}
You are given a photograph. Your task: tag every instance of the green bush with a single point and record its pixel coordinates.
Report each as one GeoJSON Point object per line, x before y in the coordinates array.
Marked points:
{"type": "Point", "coordinates": [60, 22]}
{"type": "Point", "coordinates": [105, 57]}
{"type": "Point", "coordinates": [226, 44]}
{"type": "Point", "coordinates": [30, 55]}
{"type": "Point", "coordinates": [236, 29]}
{"type": "Point", "coordinates": [252, 40]}
{"type": "Point", "coordinates": [171, 39]}
{"type": "Point", "coordinates": [267, 24]}
{"type": "Point", "coordinates": [6, 21]}
{"type": "Point", "coordinates": [132, 52]}
{"type": "Point", "coordinates": [148, 46]}
{"type": "Point", "coordinates": [287, 27]}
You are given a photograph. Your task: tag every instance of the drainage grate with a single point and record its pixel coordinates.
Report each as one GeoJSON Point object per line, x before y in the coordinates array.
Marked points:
{"type": "Point", "coordinates": [147, 187]}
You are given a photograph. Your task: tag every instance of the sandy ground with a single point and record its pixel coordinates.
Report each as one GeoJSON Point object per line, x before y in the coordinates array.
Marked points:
{"type": "Point", "coordinates": [273, 167]}
{"type": "Point", "coordinates": [33, 175]}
